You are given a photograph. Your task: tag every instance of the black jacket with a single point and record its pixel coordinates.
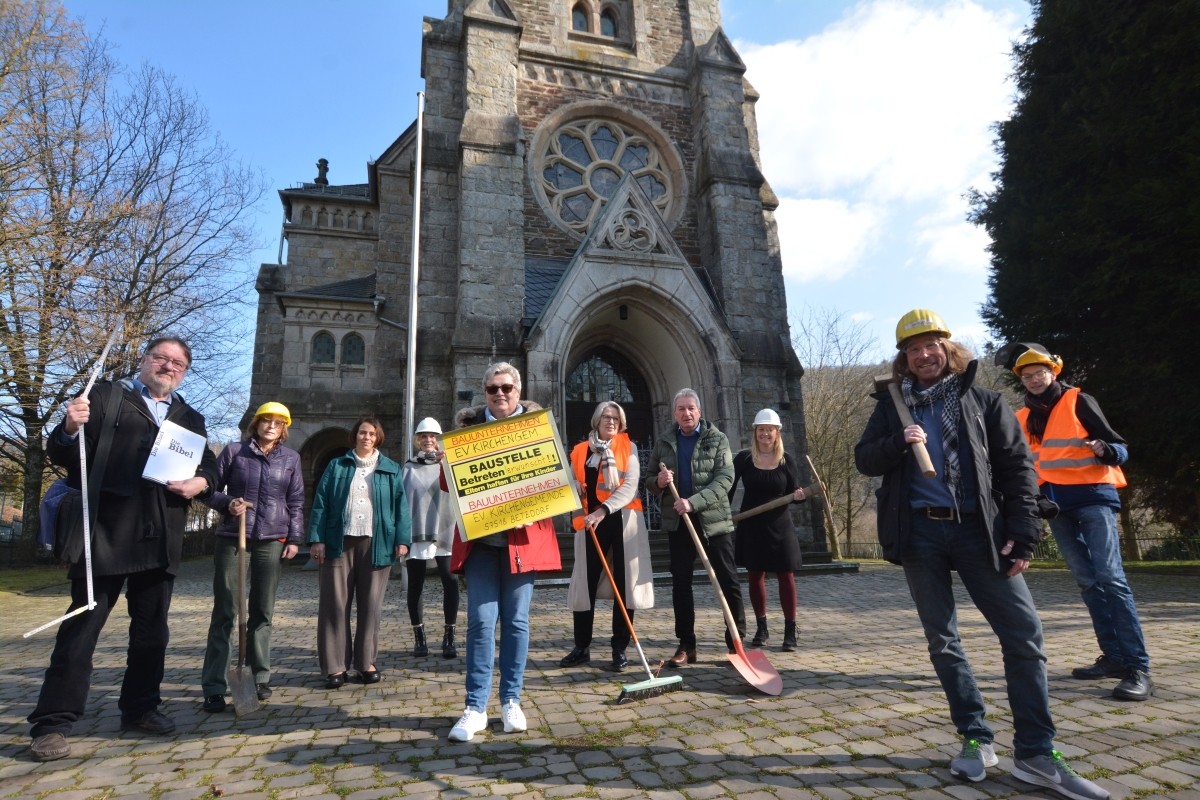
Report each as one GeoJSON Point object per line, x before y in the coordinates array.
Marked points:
{"type": "Point", "coordinates": [139, 523]}
{"type": "Point", "coordinates": [1006, 480]}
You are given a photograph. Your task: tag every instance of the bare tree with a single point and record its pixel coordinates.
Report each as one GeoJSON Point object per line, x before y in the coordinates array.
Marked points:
{"type": "Point", "coordinates": [840, 358]}
{"type": "Point", "coordinates": [122, 211]}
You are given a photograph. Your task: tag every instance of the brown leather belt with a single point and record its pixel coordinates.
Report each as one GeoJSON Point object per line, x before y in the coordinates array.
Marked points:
{"type": "Point", "coordinates": [942, 513]}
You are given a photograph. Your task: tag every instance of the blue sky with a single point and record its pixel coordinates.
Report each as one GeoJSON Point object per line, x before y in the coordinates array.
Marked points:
{"type": "Point", "coordinates": [875, 120]}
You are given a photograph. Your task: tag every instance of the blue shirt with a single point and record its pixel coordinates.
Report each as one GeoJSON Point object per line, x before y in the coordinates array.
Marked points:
{"type": "Point", "coordinates": [158, 408]}
{"type": "Point", "coordinates": [686, 445]}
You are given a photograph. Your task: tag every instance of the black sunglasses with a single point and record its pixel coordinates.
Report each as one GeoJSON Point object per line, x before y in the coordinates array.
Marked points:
{"type": "Point", "coordinates": [502, 387]}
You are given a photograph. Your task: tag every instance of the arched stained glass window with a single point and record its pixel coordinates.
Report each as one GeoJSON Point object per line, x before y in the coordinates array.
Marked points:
{"type": "Point", "coordinates": [354, 350]}
{"type": "Point", "coordinates": [607, 375]}
{"type": "Point", "coordinates": [608, 24]}
{"type": "Point", "coordinates": [324, 348]}
{"type": "Point", "coordinates": [579, 18]}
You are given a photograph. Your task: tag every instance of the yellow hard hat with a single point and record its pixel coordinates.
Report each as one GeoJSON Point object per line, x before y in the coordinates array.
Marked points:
{"type": "Point", "coordinates": [272, 407]}
{"type": "Point", "coordinates": [918, 321]}
{"type": "Point", "coordinates": [1032, 356]}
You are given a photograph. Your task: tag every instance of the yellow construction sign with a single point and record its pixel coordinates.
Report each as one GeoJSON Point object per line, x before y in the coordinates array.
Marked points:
{"type": "Point", "coordinates": [506, 473]}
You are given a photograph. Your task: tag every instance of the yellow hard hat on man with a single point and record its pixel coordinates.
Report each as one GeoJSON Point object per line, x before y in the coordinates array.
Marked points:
{"type": "Point", "coordinates": [918, 321]}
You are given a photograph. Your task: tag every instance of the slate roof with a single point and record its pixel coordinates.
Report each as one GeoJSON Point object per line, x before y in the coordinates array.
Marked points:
{"type": "Point", "coordinates": [359, 190]}
{"type": "Point", "coordinates": [541, 279]}
{"type": "Point", "coordinates": [355, 288]}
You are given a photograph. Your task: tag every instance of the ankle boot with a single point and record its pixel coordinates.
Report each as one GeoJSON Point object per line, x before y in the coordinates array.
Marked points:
{"type": "Point", "coordinates": [760, 636]}
{"type": "Point", "coordinates": [789, 635]}
{"type": "Point", "coordinates": [448, 648]}
{"type": "Point", "coordinates": [420, 648]}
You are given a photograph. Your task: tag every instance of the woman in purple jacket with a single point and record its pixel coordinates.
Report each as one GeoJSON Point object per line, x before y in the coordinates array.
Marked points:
{"type": "Point", "coordinates": [260, 478]}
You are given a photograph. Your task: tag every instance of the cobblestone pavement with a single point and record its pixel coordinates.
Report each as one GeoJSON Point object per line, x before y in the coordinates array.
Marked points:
{"type": "Point", "coordinates": [861, 715]}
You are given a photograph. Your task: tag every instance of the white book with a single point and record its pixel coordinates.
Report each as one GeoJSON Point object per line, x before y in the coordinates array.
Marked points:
{"type": "Point", "coordinates": [175, 454]}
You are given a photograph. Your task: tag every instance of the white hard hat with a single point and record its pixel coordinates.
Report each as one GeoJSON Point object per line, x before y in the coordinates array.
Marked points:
{"type": "Point", "coordinates": [428, 425]}
{"type": "Point", "coordinates": [767, 417]}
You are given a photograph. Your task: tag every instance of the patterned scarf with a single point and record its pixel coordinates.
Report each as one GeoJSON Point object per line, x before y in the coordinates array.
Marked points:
{"type": "Point", "coordinates": [1040, 406]}
{"type": "Point", "coordinates": [605, 466]}
{"type": "Point", "coordinates": [946, 390]}
{"type": "Point", "coordinates": [425, 457]}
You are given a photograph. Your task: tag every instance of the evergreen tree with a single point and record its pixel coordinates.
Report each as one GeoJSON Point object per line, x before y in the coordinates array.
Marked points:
{"type": "Point", "coordinates": [1095, 222]}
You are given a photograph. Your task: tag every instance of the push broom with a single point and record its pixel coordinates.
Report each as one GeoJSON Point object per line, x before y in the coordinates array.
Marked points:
{"type": "Point", "coordinates": [653, 685]}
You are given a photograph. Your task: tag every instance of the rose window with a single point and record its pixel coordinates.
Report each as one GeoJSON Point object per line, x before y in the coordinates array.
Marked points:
{"type": "Point", "coordinates": [585, 160]}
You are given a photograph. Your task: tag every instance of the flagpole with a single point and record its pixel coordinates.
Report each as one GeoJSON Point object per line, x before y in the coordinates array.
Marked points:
{"type": "Point", "coordinates": [414, 275]}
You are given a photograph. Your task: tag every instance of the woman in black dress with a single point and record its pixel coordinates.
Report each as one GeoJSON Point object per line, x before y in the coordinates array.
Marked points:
{"type": "Point", "coordinates": [767, 542]}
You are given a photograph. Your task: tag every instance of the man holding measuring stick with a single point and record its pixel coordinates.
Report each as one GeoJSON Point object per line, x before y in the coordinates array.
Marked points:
{"type": "Point", "coordinates": [137, 545]}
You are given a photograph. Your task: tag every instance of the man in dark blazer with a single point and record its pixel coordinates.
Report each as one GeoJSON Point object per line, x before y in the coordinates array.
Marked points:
{"type": "Point", "coordinates": [137, 545]}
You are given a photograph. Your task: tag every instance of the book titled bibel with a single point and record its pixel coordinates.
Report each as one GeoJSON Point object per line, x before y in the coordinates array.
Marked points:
{"type": "Point", "coordinates": [175, 454]}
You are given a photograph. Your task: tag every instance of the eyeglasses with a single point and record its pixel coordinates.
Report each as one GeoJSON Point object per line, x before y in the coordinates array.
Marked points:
{"type": "Point", "coordinates": [921, 349]}
{"type": "Point", "coordinates": [161, 360]}
{"type": "Point", "coordinates": [1031, 376]}
{"type": "Point", "coordinates": [613, 420]}
{"type": "Point", "coordinates": [272, 423]}
{"type": "Point", "coordinates": [507, 388]}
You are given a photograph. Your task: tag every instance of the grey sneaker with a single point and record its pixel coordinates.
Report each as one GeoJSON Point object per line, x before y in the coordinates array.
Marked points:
{"type": "Point", "coordinates": [972, 763]}
{"type": "Point", "coordinates": [1054, 773]}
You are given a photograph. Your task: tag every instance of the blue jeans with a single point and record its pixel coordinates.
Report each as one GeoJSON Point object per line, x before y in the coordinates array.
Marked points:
{"type": "Point", "coordinates": [1087, 537]}
{"type": "Point", "coordinates": [494, 593]}
{"type": "Point", "coordinates": [934, 550]}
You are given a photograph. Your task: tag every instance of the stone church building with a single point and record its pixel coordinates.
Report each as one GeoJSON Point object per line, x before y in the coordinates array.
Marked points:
{"type": "Point", "coordinates": [592, 210]}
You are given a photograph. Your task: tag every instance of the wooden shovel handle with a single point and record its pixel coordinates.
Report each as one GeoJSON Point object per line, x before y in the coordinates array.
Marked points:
{"type": "Point", "coordinates": [924, 463]}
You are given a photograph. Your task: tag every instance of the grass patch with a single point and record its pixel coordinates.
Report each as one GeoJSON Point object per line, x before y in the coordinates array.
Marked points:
{"type": "Point", "coordinates": [32, 579]}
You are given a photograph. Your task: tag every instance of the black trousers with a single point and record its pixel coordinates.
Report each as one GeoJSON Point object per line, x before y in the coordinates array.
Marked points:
{"type": "Point", "coordinates": [683, 564]}
{"type": "Point", "coordinates": [416, 585]}
{"type": "Point", "coordinates": [68, 679]}
{"type": "Point", "coordinates": [612, 540]}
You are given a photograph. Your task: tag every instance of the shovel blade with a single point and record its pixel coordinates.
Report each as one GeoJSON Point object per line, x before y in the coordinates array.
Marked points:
{"type": "Point", "coordinates": [756, 668]}
{"type": "Point", "coordinates": [243, 691]}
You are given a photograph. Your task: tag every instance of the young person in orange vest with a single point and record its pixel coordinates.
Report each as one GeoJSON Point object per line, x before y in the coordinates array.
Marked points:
{"type": "Point", "coordinates": [1078, 457]}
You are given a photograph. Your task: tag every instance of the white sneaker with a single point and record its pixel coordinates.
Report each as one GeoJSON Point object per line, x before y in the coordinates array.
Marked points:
{"type": "Point", "coordinates": [513, 716]}
{"type": "Point", "coordinates": [470, 723]}
{"type": "Point", "coordinates": [1055, 774]}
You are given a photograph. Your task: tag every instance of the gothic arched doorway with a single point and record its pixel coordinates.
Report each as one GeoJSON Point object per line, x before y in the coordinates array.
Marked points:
{"type": "Point", "coordinates": [605, 374]}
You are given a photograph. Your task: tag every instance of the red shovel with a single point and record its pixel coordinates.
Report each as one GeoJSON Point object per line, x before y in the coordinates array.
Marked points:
{"type": "Point", "coordinates": [753, 665]}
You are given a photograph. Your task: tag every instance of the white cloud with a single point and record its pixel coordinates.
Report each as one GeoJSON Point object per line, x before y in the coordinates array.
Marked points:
{"type": "Point", "coordinates": [893, 102]}
{"type": "Point", "coordinates": [955, 247]}
{"type": "Point", "coordinates": [824, 239]}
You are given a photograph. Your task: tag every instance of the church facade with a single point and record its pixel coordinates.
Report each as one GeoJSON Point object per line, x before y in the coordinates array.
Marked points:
{"type": "Point", "coordinates": [592, 210]}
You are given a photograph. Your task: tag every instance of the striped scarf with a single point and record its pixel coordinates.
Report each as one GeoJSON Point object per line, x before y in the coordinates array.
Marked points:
{"type": "Point", "coordinates": [948, 391]}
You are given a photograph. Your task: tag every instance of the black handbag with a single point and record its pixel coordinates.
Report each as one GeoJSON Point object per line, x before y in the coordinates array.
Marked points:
{"type": "Point", "coordinates": [68, 522]}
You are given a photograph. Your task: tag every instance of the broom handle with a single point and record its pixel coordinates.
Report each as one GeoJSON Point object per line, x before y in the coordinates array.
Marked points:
{"type": "Point", "coordinates": [712, 575]}
{"type": "Point", "coordinates": [242, 600]}
{"type": "Point", "coordinates": [616, 592]}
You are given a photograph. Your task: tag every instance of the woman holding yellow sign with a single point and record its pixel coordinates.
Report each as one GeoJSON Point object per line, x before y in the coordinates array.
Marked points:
{"type": "Point", "coordinates": [500, 570]}
{"type": "Point", "coordinates": [607, 471]}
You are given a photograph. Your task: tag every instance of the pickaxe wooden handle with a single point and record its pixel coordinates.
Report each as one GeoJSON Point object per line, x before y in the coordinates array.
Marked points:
{"type": "Point", "coordinates": [924, 463]}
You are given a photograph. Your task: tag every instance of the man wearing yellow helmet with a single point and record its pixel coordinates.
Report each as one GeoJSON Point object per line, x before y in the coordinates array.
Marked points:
{"type": "Point", "coordinates": [1078, 456]}
{"type": "Point", "coordinates": [977, 517]}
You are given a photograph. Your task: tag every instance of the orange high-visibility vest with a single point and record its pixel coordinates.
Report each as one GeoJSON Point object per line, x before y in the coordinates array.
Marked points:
{"type": "Point", "coordinates": [1061, 456]}
{"type": "Point", "coordinates": [621, 449]}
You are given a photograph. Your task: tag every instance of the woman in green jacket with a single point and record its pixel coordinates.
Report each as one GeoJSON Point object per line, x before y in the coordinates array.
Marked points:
{"type": "Point", "coordinates": [358, 527]}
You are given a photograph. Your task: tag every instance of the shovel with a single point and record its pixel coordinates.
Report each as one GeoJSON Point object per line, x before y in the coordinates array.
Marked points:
{"type": "Point", "coordinates": [753, 665]}
{"type": "Point", "coordinates": [240, 678]}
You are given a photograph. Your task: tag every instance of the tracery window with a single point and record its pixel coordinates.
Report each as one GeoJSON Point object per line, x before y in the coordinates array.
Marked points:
{"type": "Point", "coordinates": [354, 350]}
{"type": "Point", "coordinates": [586, 159]}
{"type": "Point", "coordinates": [324, 348]}
{"type": "Point", "coordinates": [607, 375]}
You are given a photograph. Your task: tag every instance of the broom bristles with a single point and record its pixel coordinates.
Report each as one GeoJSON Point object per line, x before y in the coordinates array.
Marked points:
{"type": "Point", "coordinates": [649, 688]}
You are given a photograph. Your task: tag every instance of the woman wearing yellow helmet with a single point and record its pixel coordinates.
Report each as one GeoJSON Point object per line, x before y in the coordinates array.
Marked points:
{"type": "Point", "coordinates": [260, 478]}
